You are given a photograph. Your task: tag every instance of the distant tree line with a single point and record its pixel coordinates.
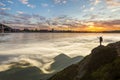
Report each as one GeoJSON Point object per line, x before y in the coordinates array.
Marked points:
{"type": "Point", "coordinates": [8, 29]}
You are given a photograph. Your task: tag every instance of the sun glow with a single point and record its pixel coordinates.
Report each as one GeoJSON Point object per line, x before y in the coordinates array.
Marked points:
{"type": "Point", "coordinates": [95, 29]}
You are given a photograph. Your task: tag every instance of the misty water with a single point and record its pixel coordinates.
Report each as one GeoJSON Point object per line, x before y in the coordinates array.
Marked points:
{"type": "Point", "coordinates": [36, 47]}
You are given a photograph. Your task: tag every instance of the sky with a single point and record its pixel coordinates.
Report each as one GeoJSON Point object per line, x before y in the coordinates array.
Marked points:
{"type": "Point", "coordinates": [78, 15]}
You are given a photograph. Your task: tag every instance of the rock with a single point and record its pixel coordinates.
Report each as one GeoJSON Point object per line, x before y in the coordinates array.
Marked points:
{"type": "Point", "coordinates": [18, 73]}
{"type": "Point", "coordinates": [93, 65]}
{"type": "Point", "coordinates": [62, 61]}
{"type": "Point", "coordinates": [115, 45]}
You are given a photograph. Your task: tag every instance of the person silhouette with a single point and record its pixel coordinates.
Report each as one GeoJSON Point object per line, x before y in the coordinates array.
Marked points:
{"type": "Point", "coordinates": [101, 40]}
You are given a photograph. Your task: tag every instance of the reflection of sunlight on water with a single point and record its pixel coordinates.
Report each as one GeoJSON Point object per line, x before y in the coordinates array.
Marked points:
{"type": "Point", "coordinates": [50, 45]}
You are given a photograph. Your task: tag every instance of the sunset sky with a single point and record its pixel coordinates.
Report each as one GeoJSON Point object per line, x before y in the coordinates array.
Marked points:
{"type": "Point", "coordinates": [78, 15]}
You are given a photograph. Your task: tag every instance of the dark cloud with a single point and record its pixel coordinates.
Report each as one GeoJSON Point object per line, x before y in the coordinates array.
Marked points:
{"type": "Point", "coordinates": [20, 18]}
{"type": "Point", "coordinates": [38, 17]}
{"type": "Point", "coordinates": [60, 1]}
{"type": "Point", "coordinates": [26, 20]}
{"type": "Point", "coordinates": [112, 22]}
{"type": "Point", "coordinates": [108, 23]}
{"type": "Point", "coordinates": [4, 13]}
{"type": "Point", "coordinates": [62, 17]}
{"type": "Point", "coordinates": [94, 17]}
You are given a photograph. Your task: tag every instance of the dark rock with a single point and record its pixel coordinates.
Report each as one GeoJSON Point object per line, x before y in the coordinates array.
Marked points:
{"type": "Point", "coordinates": [62, 61]}
{"type": "Point", "coordinates": [87, 69]}
{"type": "Point", "coordinates": [19, 73]}
{"type": "Point", "coordinates": [115, 45]}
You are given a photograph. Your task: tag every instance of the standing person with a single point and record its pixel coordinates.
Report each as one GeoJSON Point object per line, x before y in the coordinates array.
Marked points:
{"type": "Point", "coordinates": [101, 40]}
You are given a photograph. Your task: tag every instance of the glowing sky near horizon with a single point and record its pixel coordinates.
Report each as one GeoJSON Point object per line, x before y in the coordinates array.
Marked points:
{"type": "Point", "coordinates": [81, 15]}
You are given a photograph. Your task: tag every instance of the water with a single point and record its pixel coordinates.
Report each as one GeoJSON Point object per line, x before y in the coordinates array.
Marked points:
{"type": "Point", "coordinates": [45, 46]}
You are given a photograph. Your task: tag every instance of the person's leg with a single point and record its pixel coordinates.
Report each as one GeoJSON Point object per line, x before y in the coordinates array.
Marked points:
{"type": "Point", "coordinates": [100, 43]}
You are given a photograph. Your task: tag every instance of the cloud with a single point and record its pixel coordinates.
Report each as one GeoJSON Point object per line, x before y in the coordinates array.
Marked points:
{"type": "Point", "coordinates": [27, 19]}
{"type": "Point", "coordinates": [89, 10]}
{"type": "Point", "coordinates": [31, 6]}
{"type": "Point", "coordinates": [44, 4]}
{"type": "Point", "coordinates": [22, 19]}
{"type": "Point", "coordinates": [93, 16]}
{"type": "Point", "coordinates": [48, 10]}
{"type": "Point", "coordinates": [2, 4]}
{"type": "Point", "coordinates": [22, 16]}
{"type": "Point", "coordinates": [20, 12]}
{"type": "Point", "coordinates": [4, 13]}
{"type": "Point", "coordinates": [13, 18]}
{"type": "Point", "coordinates": [113, 3]}
{"type": "Point", "coordinates": [115, 9]}
{"type": "Point", "coordinates": [39, 18]}
{"type": "Point", "coordinates": [111, 22]}
{"type": "Point", "coordinates": [105, 24]}
{"type": "Point", "coordinates": [60, 1]}
{"type": "Point", "coordinates": [89, 23]}
{"type": "Point", "coordinates": [5, 8]}
{"type": "Point", "coordinates": [92, 8]}
{"type": "Point", "coordinates": [24, 1]}
{"type": "Point", "coordinates": [83, 7]}
{"type": "Point", "coordinates": [64, 21]}
{"type": "Point", "coordinates": [95, 2]}
{"type": "Point", "coordinates": [10, 2]}
{"type": "Point", "coordinates": [108, 4]}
